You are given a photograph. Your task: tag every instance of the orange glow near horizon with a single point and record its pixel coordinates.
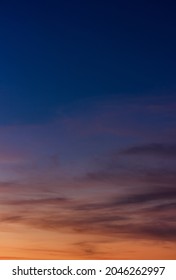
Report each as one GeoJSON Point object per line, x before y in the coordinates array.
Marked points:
{"type": "Point", "coordinates": [25, 243]}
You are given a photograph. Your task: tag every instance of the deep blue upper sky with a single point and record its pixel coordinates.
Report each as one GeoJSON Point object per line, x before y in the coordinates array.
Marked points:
{"type": "Point", "coordinates": [55, 52]}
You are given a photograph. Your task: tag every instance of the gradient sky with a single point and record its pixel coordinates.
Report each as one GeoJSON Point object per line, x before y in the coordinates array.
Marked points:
{"type": "Point", "coordinates": [87, 130]}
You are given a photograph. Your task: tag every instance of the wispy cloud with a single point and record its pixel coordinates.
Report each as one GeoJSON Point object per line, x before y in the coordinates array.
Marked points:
{"type": "Point", "coordinates": [153, 149]}
{"type": "Point", "coordinates": [45, 201]}
{"type": "Point", "coordinates": [125, 216]}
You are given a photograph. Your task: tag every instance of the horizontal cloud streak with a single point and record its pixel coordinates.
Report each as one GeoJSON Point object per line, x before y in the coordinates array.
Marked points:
{"type": "Point", "coordinates": [127, 216]}
{"type": "Point", "coordinates": [154, 149]}
{"type": "Point", "coordinates": [45, 201]}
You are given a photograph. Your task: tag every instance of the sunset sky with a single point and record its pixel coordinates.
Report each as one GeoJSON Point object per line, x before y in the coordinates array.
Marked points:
{"type": "Point", "coordinates": [87, 129]}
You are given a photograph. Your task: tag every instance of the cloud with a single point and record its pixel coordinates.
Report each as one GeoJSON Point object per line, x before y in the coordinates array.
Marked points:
{"type": "Point", "coordinates": [163, 207]}
{"type": "Point", "coordinates": [11, 218]}
{"type": "Point", "coordinates": [32, 202]}
{"type": "Point", "coordinates": [155, 195]}
{"type": "Point", "coordinates": [155, 229]}
{"type": "Point", "coordinates": [153, 149]}
{"type": "Point", "coordinates": [144, 215]}
{"type": "Point", "coordinates": [8, 188]}
{"type": "Point", "coordinates": [120, 169]}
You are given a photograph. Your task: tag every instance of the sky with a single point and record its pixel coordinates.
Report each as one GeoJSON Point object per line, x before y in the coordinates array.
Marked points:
{"type": "Point", "coordinates": [87, 129]}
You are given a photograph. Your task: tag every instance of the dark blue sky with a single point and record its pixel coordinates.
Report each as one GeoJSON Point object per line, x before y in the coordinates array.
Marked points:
{"type": "Point", "coordinates": [55, 52]}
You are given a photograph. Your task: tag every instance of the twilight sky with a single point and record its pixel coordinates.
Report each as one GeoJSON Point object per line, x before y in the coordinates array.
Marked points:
{"type": "Point", "coordinates": [87, 130]}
